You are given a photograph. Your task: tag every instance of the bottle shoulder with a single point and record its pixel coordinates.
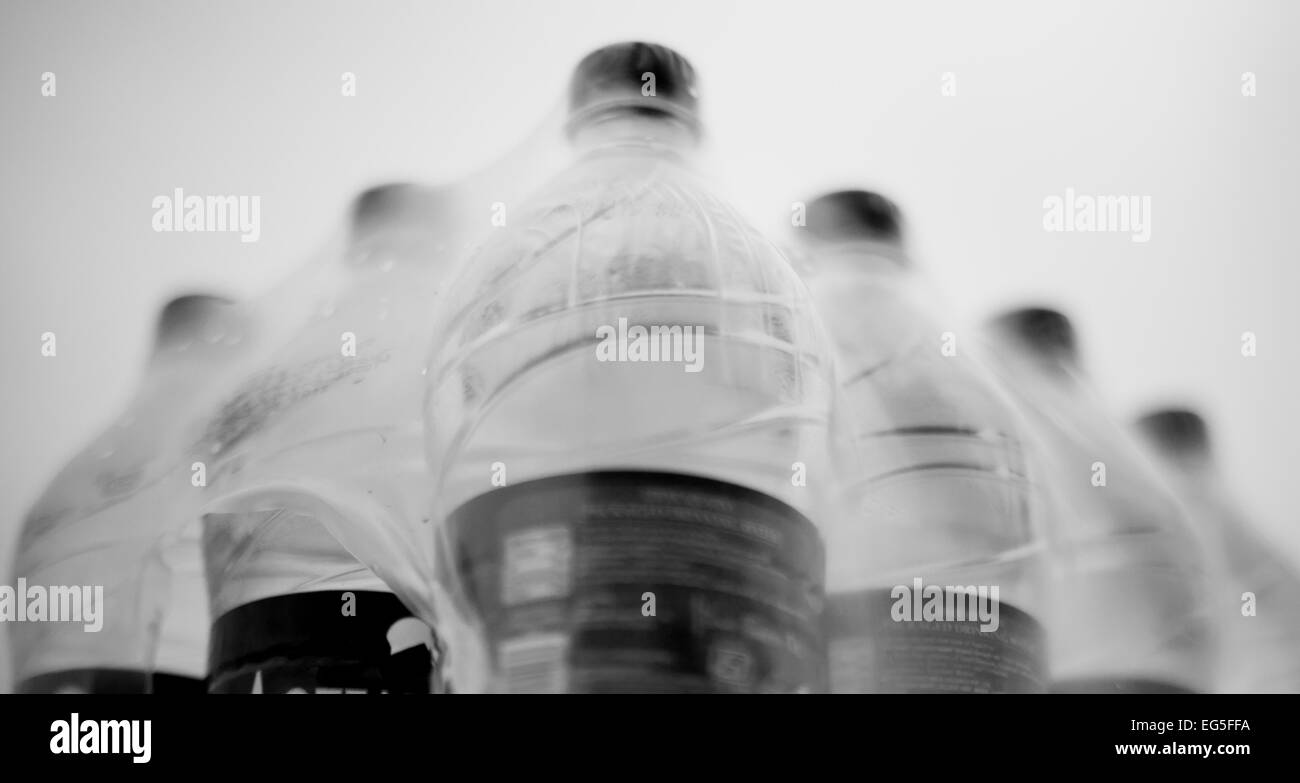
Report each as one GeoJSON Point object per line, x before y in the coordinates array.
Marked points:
{"type": "Point", "coordinates": [607, 230]}
{"type": "Point", "coordinates": [325, 376]}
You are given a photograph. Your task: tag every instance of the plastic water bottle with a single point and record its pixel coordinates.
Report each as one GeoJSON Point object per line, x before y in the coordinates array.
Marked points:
{"type": "Point", "coordinates": [319, 476]}
{"type": "Point", "coordinates": [1131, 608]}
{"type": "Point", "coordinates": [936, 560]}
{"type": "Point", "coordinates": [118, 519]}
{"type": "Point", "coordinates": [1256, 606]}
{"type": "Point", "coordinates": [627, 422]}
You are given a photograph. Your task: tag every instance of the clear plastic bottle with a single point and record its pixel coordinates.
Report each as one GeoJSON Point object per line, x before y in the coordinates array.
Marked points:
{"type": "Point", "coordinates": [118, 517]}
{"type": "Point", "coordinates": [319, 477]}
{"type": "Point", "coordinates": [621, 516]}
{"type": "Point", "coordinates": [934, 487]}
{"type": "Point", "coordinates": [1261, 634]}
{"type": "Point", "coordinates": [1131, 579]}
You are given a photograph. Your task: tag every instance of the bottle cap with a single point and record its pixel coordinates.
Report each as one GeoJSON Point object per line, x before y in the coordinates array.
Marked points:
{"type": "Point", "coordinates": [194, 318]}
{"type": "Point", "coordinates": [637, 77]}
{"type": "Point", "coordinates": [1176, 431]}
{"type": "Point", "coordinates": [392, 204]}
{"type": "Point", "coordinates": [1047, 333]}
{"type": "Point", "coordinates": [855, 216]}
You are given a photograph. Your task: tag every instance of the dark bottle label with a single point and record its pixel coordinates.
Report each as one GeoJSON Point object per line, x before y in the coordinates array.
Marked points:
{"type": "Point", "coordinates": [1117, 685]}
{"type": "Point", "coordinates": [872, 652]}
{"type": "Point", "coordinates": [95, 680]}
{"type": "Point", "coordinates": [335, 641]}
{"type": "Point", "coordinates": [625, 581]}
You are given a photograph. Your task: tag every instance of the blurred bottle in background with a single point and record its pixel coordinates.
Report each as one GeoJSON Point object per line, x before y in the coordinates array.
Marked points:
{"type": "Point", "coordinates": [934, 483]}
{"type": "Point", "coordinates": [120, 515]}
{"type": "Point", "coordinates": [1260, 634]}
{"type": "Point", "coordinates": [627, 420]}
{"type": "Point", "coordinates": [1131, 584]}
{"type": "Point", "coordinates": [319, 475]}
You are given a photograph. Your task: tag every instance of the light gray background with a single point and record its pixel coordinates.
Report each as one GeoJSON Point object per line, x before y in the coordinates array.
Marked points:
{"type": "Point", "coordinates": [243, 98]}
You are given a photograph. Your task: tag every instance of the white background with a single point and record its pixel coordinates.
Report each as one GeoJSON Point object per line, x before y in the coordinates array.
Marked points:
{"type": "Point", "coordinates": [1139, 98]}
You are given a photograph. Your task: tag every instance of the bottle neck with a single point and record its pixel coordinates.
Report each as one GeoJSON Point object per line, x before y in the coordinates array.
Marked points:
{"type": "Point", "coordinates": [386, 246]}
{"type": "Point", "coordinates": [178, 361]}
{"type": "Point", "coordinates": [860, 285]}
{"type": "Point", "coordinates": [865, 294]}
{"type": "Point", "coordinates": [1197, 468]}
{"type": "Point", "coordinates": [1060, 372]}
{"type": "Point", "coordinates": [625, 130]}
{"type": "Point", "coordinates": [864, 259]}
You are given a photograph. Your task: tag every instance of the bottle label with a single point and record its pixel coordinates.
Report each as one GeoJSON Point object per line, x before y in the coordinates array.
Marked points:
{"type": "Point", "coordinates": [96, 680]}
{"type": "Point", "coordinates": [871, 652]}
{"type": "Point", "coordinates": [335, 641]}
{"type": "Point", "coordinates": [629, 581]}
